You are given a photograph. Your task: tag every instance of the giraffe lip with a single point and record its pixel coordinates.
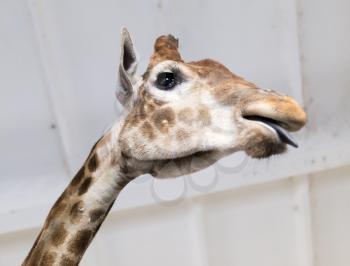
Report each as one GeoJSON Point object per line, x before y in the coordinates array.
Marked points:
{"type": "Point", "coordinates": [282, 133]}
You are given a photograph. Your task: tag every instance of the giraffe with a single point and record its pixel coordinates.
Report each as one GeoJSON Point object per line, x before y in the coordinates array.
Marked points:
{"type": "Point", "coordinates": [179, 117]}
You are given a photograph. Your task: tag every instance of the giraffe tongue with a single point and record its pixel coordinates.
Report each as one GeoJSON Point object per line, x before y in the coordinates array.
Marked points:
{"type": "Point", "coordinates": [282, 133]}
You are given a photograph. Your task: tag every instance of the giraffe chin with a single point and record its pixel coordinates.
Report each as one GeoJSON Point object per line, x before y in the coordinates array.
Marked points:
{"type": "Point", "coordinates": [264, 142]}
{"type": "Point", "coordinates": [266, 150]}
{"type": "Point", "coordinates": [268, 138]}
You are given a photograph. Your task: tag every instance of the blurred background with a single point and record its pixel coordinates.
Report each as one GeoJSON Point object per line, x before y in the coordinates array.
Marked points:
{"type": "Point", "coordinates": [58, 70]}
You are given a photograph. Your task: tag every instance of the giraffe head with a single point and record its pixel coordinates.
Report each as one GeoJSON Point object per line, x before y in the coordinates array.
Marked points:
{"type": "Point", "coordinates": [180, 111]}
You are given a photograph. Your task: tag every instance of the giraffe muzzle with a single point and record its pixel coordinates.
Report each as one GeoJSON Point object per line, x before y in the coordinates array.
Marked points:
{"type": "Point", "coordinates": [279, 110]}
{"type": "Point", "coordinates": [280, 114]}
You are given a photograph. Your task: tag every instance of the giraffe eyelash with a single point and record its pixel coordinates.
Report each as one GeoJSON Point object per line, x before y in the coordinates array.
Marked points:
{"type": "Point", "coordinates": [178, 73]}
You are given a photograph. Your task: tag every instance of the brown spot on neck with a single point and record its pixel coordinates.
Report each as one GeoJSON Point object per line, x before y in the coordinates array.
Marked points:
{"type": "Point", "coordinates": [96, 214]}
{"type": "Point", "coordinates": [80, 242]}
{"type": "Point", "coordinates": [93, 163]}
{"type": "Point", "coordinates": [76, 180]}
{"type": "Point", "coordinates": [85, 186]}
{"type": "Point", "coordinates": [48, 259]}
{"type": "Point", "coordinates": [58, 235]}
{"type": "Point", "coordinates": [66, 261]}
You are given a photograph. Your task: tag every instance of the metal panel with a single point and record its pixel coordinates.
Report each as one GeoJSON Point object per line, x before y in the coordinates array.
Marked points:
{"type": "Point", "coordinates": [31, 159]}
{"type": "Point", "coordinates": [331, 217]}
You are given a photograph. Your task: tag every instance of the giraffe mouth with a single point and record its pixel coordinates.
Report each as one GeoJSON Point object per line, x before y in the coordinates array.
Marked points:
{"type": "Point", "coordinates": [275, 126]}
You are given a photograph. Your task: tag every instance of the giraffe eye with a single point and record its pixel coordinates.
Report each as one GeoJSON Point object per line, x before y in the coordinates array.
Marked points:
{"type": "Point", "coordinates": [166, 80]}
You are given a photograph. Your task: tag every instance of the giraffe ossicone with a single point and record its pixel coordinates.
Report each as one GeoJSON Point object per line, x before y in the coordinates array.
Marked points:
{"type": "Point", "coordinates": [179, 117]}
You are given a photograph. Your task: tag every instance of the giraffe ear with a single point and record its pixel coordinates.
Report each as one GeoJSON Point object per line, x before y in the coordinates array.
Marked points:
{"type": "Point", "coordinates": [127, 69]}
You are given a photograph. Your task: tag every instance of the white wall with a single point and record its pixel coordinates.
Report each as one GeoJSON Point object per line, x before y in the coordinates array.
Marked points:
{"type": "Point", "coordinates": [57, 79]}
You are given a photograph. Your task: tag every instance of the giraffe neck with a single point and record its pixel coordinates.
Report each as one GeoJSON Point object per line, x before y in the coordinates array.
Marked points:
{"type": "Point", "coordinates": [79, 212]}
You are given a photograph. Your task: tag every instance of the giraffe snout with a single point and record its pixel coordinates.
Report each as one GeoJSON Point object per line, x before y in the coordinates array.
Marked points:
{"type": "Point", "coordinates": [281, 109]}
